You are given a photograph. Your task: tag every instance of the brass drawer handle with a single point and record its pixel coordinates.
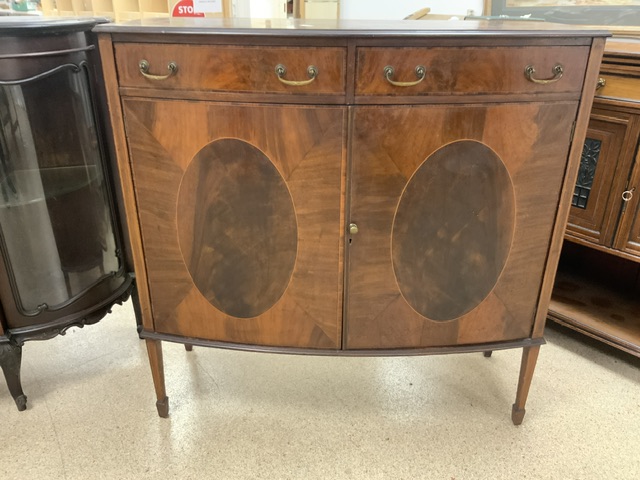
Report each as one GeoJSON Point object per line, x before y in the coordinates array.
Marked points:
{"type": "Point", "coordinates": [281, 71]}
{"type": "Point", "coordinates": [529, 71]}
{"type": "Point", "coordinates": [144, 70]}
{"type": "Point", "coordinates": [389, 71]}
{"type": "Point", "coordinates": [602, 82]}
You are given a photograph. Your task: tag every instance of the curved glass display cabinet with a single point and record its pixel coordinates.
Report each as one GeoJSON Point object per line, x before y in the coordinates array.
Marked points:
{"type": "Point", "coordinates": [62, 263]}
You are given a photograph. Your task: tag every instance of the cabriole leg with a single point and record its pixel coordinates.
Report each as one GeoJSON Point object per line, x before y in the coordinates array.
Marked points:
{"type": "Point", "coordinates": [528, 365]}
{"type": "Point", "coordinates": [10, 361]}
{"type": "Point", "coordinates": [154, 349]}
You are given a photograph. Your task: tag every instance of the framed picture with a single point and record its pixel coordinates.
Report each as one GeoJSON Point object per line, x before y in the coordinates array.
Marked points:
{"type": "Point", "coordinates": [619, 15]}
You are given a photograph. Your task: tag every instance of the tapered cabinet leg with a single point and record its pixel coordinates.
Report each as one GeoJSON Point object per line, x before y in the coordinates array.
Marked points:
{"type": "Point", "coordinates": [154, 349]}
{"type": "Point", "coordinates": [10, 361]}
{"type": "Point", "coordinates": [487, 353]}
{"type": "Point", "coordinates": [528, 365]}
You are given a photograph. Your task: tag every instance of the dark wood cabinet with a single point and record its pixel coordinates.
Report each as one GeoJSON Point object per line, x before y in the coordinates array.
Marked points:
{"type": "Point", "coordinates": [597, 290]}
{"type": "Point", "coordinates": [351, 189]}
{"type": "Point", "coordinates": [62, 261]}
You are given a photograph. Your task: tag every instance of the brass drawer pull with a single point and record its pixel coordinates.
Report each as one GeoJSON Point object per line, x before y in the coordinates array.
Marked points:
{"type": "Point", "coordinates": [602, 82]}
{"type": "Point", "coordinates": [529, 71]}
{"type": "Point", "coordinates": [281, 71]}
{"type": "Point", "coordinates": [421, 73]}
{"type": "Point", "coordinates": [627, 195]}
{"type": "Point", "coordinates": [144, 70]}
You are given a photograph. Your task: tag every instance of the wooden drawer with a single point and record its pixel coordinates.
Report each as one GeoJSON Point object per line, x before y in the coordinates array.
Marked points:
{"type": "Point", "coordinates": [619, 87]}
{"type": "Point", "coordinates": [469, 70]}
{"type": "Point", "coordinates": [232, 69]}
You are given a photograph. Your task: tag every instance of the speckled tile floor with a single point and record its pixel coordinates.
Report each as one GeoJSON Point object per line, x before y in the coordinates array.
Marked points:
{"type": "Point", "coordinates": [237, 415]}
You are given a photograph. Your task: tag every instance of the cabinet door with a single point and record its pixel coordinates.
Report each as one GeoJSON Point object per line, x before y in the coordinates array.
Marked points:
{"type": "Point", "coordinates": [628, 236]}
{"type": "Point", "coordinates": [595, 204]}
{"type": "Point", "coordinates": [239, 209]}
{"type": "Point", "coordinates": [454, 207]}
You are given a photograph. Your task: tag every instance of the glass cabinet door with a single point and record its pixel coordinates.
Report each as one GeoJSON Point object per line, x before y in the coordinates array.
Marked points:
{"type": "Point", "coordinates": [57, 229]}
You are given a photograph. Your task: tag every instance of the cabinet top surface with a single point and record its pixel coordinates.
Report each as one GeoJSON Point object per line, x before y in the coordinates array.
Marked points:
{"type": "Point", "coordinates": [29, 26]}
{"type": "Point", "coordinates": [349, 28]}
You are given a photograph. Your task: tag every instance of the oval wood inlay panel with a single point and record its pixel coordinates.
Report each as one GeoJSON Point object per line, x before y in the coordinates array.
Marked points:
{"type": "Point", "coordinates": [237, 228]}
{"type": "Point", "coordinates": [453, 230]}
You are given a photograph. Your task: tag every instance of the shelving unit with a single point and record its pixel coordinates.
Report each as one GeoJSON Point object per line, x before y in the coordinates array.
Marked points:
{"type": "Point", "coordinates": [597, 288]}
{"type": "Point", "coordinates": [599, 295]}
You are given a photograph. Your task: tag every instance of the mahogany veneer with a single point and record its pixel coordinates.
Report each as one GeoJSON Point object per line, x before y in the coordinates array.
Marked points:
{"type": "Point", "coordinates": [348, 188]}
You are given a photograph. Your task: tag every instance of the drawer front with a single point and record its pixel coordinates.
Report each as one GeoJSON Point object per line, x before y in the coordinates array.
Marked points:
{"type": "Point", "coordinates": [619, 87]}
{"type": "Point", "coordinates": [469, 70]}
{"type": "Point", "coordinates": [232, 69]}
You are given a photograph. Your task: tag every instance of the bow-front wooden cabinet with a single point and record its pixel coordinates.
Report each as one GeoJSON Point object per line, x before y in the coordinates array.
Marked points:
{"type": "Point", "coordinates": [347, 188]}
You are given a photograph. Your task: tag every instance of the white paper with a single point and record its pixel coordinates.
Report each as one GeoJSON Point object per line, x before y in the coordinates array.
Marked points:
{"type": "Point", "coordinates": [207, 6]}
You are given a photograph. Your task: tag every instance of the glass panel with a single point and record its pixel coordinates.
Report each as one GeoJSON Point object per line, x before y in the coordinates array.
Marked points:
{"type": "Point", "coordinates": [587, 172]}
{"type": "Point", "coordinates": [54, 211]}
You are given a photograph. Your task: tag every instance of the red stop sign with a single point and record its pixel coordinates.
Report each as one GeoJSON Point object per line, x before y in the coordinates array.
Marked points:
{"type": "Point", "coordinates": [184, 8]}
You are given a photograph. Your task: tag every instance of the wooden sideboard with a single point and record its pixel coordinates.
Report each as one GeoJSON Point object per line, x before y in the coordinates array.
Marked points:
{"type": "Point", "coordinates": [348, 188]}
{"type": "Point", "coordinates": [597, 289]}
